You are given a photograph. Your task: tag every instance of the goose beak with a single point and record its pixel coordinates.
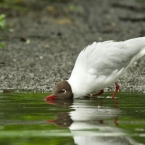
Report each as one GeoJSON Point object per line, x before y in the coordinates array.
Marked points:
{"type": "Point", "coordinates": [51, 97]}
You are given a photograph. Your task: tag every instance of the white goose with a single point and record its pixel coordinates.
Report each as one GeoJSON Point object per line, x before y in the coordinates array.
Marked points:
{"type": "Point", "coordinates": [98, 66]}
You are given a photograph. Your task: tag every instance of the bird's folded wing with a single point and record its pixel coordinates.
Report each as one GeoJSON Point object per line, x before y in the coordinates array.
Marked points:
{"type": "Point", "coordinates": [104, 58]}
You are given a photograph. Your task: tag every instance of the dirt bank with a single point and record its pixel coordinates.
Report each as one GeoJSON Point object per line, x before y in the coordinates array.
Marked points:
{"type": "Point", "coordinates": [42, 45]}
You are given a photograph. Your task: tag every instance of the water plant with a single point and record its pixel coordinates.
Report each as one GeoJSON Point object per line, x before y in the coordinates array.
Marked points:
{"type": "Point", "coordinates": [2, 21]}
{"type": "Point", "coordinates": [2, 26]}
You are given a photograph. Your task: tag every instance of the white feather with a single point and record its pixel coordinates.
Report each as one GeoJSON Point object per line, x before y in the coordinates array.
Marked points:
{"type": "Point", "coordinates": [101, 64]}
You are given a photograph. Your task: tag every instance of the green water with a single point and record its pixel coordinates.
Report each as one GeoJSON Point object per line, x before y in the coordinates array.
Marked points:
{"type": "Point", "coordinates": [26, 119]}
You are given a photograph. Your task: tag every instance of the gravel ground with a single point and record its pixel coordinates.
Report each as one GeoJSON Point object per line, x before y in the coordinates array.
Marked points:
{"type": "Point", "coordinates": [42, 46]}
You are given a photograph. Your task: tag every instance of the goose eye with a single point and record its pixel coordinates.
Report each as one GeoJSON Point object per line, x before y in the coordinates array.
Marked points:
{"type": "Point", "coordinates": [63, 91]}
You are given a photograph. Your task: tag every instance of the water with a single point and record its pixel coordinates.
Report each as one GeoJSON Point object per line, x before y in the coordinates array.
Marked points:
{"type": "Point", "coordinates": [26, 119]}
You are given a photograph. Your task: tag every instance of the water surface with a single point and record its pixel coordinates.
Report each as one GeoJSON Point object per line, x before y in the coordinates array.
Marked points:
{"type": "Point", "coordinates": [26, 119]}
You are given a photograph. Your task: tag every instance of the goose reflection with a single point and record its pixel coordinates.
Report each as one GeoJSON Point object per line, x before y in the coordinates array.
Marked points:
{"type": "Point", "coordinates": [90, 123]}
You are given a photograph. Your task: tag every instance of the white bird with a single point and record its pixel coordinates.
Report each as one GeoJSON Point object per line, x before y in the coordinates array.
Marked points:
{"type": "Point", "coordinates": [98, 66]}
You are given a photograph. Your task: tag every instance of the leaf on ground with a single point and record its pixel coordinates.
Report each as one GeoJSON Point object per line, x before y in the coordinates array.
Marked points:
{"type": "Point", "coordinates": [1, 45]}
{"type": "Point", "coordinates": [61, 21]}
